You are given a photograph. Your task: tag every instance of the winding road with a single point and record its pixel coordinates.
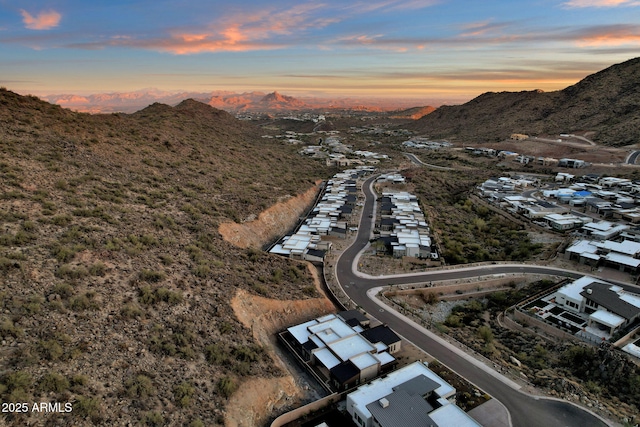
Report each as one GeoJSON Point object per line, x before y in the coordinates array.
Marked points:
{"type": "Point", "coordinates": [525, 410]}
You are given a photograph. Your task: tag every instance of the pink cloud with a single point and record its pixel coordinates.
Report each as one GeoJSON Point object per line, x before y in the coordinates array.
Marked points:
{"type": "Point", "coordinates": [44, 20]}
{"type": "Point", "coordinates": [611, 39]}
{"type": "Point", "coordinates": [476, 29]}
{"type": "Point", "coordinates": [260, 30]}
{"type": "Point", "coordinates": [600, 3]}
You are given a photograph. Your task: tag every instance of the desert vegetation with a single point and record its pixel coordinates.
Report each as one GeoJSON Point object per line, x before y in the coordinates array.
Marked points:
{"type": "Point", "coordinates": [598, 376]}
{"type": "Point", "coordinates": [115, 285]}
{"type": "Point", "coordinates": [465, 230]}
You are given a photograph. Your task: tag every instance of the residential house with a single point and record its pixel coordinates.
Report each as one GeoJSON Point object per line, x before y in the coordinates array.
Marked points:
{"type": "Point", "coordinates": [413, 396]}
{"type": "Point", "coordinates": [624, 255]}
{"type": "Point", "coordinates": [336, 347]}
{"type": "Point", "coordinates": [608, 308]}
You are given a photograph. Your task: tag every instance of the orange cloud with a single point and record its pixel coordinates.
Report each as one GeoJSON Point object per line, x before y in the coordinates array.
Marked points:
{"type": "Point", "coordinates": [44, 20]}
{"type": "Point", "coordinates": [601, 3]}
{"type": "Point", "coordinates": [608, 35]}
{"type": "Point", "coordinates": [261, 30]}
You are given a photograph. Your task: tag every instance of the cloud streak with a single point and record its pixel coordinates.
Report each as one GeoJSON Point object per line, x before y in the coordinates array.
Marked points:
{"type": "Point", "coordinates": [44, 20]}
{"type": "Point", "coordinates": [600, 3]}
{"type": "Point", "coordinates": [262, 30]}
{"type": "Point", "coordinates": [614, 35]}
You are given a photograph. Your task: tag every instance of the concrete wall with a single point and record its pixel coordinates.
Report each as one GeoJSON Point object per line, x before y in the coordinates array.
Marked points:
{"type": "Point", "coordinates": [450, 291]}
{"type": "Point", "coordinates": [623, 341]}
{"type": "Point", "coordinates": [544, 327]}
{"type": "Point", "coordinates": [305, 410]}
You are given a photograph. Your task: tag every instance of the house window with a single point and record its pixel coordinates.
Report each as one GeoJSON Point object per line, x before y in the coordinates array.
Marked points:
{"type": "Point", "coordinates": [572, 304]}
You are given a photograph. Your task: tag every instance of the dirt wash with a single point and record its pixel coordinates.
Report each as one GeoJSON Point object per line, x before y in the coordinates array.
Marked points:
{"type": "Point", "coordinates": [271, 223]}
{"type": "Point", "coordinates": [258, 398]}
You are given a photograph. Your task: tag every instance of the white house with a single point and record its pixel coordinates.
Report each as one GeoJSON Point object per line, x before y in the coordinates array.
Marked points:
{"type": "Point", "coordinates": [413, 396]}
{"type": "Point", "coordinates": [608, 308]}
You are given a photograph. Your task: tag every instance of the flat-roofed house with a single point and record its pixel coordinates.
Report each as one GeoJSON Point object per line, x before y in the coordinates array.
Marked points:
{"type": "Point", "coordinates": [413, 396]}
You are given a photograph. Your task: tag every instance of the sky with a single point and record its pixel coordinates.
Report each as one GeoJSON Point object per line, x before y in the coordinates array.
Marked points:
{"type": "Point", "coordinates": [424, 49]}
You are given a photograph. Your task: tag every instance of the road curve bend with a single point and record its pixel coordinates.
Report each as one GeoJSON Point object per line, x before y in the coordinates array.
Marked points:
{"type": "Point", "coordinates": [525, 410]}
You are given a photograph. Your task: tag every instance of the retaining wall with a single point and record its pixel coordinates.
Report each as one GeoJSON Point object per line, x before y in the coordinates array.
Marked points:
{"type": "Point", "coordinates": [305, 410]}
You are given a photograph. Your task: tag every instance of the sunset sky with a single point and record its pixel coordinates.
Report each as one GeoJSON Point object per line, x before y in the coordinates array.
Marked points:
{"type": "Point", "coordinates": [424, 49]}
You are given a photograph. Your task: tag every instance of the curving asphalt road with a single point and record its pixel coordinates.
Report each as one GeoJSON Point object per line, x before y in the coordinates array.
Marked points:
{"type": "Point", "coordinates": [633, 158]}
{"type": "Point", "coordinates": [525, 410]}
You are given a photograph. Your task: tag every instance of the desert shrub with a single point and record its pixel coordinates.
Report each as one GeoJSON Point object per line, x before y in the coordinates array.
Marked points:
{"type": "Point", "coordinates": [85, 407]}
{"type": "Point", "coordinates": [29, 226]}
{"type": "Point", "coordinates": [8, 328]}
{"type": "Point", "coordinates": [140, 386]}
{"type": "Point", "coordinates": [32, 304]}
{"type": "Point", "coordinates": [50, 349]}
{"type": "Point", "coordinates": [226, 386]}
{"type": "Point", "coordinates": [130, 311]}
{"type": "Point", "coordinates": [225, 327]}
{"type": "Point", "coordinates": [178, 343]}
{"type": "Point", "coordinates": [98, 269]}
{"type": "Point", "coordinates": [149, 296]}
{"type": "Point", "coordinates": [146, 295]}
{"type": "Point", "coordinates": [202, 270]}
{"type": "Point", "coordinates": [151, 276]}
{"type": "Point", "coordinates": [65, 253]}
{"type": "Point", "coordinates": [61, 220]}
{"type": "Point", "coordinates": [166, 259]}
{"type": "Point", "coordinates": [260, 289]}
{"type": "Point", "coordinates": [429, 298]}
{"type": "Point", "coordinates": [61, 184]}
{"type": "Point", "coordinates": [216, 354]}
{"type": "Point", "coordinates": [169, 296]}
{"type": "Point", "coordinates": [310, 290]}
{"type": "Point", "coordinates": [83, 302]}
{"type": "Point", "coordinates": [15, 386]}
{"type": "Point", "coordinates": [53, 382]}
{"type": "Point", "coordinates": [78, 381]}
{"type": "Point", "coordinates": [194, 252]}
{"type": "Point", "coordinates": [153, 419]}
{"type": "Point", "coordinates": [65, 290]}
{"type": "Point", "coordinates": [7, 264]}
{"type": "Point", "coordinates": [71, 272]}
{"type": "Point", "coordinates": [277, 276]}
{"type": "Point", "coordinates": [183, 394]}
{"type": "Point", "coordinates": [23, 237]}
{"type": "Point", "coordinates": [247, 353]}
{"type": "Point", "coordinates": [485, 333]}
{"type": "Point", "coordinates": [453, 321]}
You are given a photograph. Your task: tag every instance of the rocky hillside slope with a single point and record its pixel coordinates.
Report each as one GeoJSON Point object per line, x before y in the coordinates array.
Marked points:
{"type": "Point", "coordinates": [607, 103]}
{"type": "Point", "coordinates": [115, 285]}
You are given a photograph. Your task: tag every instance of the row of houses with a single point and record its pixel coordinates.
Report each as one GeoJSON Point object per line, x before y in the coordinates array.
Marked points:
{"type": "Point", "coordinates": [609, 198]}
{"type": "Point", "coordinates": [330, 217]}
{"type": "Point", "coordinates": [338, 154]}
{"type": "Point", "coordinates": [623, 255]}
{"type": "Point", "coordinates": [425, 143]}
{"type": "Point", "coordinates": [402, 226]}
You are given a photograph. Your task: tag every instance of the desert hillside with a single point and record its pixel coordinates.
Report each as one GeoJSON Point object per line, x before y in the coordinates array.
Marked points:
{"type": "Point", "coordinates": [606, 104]}
{"type": "Point", "coordinates": [115, 285]}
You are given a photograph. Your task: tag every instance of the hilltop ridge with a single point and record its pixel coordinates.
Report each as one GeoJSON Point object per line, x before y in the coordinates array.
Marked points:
{"type": "Point", "coordinates": [606, 103]}
{"type": "Point", "coordinates": [116, 286]}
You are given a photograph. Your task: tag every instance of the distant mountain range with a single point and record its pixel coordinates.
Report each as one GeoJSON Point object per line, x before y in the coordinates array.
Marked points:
{"type": "Point", "coordinates": [606, 104]}
{"type": "Point", "coordinates": [129, 102]}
